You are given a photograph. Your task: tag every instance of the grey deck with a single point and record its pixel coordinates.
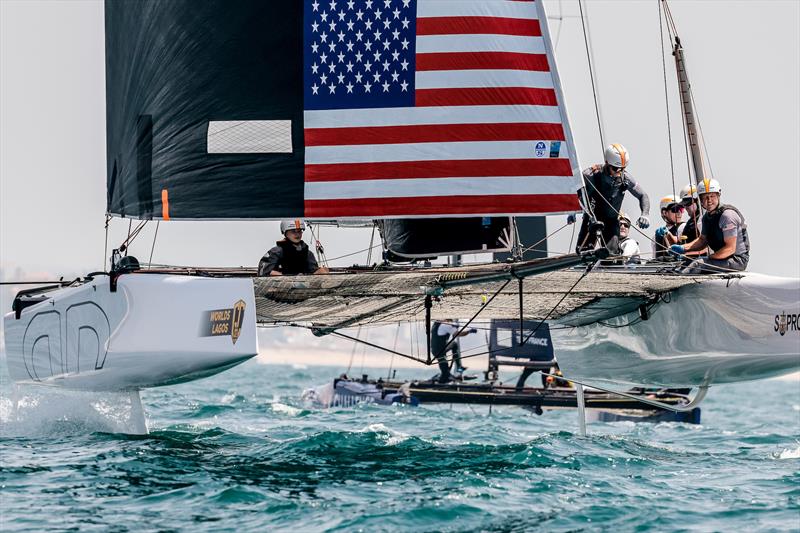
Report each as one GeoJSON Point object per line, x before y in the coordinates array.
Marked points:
{"type": "Point", "coordinates": [350, 299]}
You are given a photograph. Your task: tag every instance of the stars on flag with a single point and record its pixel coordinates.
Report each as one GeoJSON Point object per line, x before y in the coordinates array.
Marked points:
{"type": "Point", "coordinates": [358, 47]}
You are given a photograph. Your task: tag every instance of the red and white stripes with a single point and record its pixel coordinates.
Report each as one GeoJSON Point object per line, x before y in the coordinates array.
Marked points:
{"type": "Point", "coordinates": [478, 141]}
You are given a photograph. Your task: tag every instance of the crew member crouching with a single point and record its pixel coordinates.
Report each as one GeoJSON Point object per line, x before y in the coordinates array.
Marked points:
{"type": "Point", "coordinates": [666, 236]}
{"type": "Point", "coordinates": [689, 230]}
{"type": "Point", "coordinates": [622, 245]}
{"type": "Point", "coordinates": [291, 256]}
{"type": "Point", "coordinates": [724, 231]}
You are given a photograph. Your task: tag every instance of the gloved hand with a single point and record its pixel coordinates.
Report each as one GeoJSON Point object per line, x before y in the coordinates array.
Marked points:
{"type": "Point", "coordinates": [677, 250]}
{"type": "Point", "coordinates": [660, 232]}
{"type": "Point", "coordinates": [643, 222]}
{"type": "Point", "coordinates": [473, 330]}
{"type": "Point", "coordinates": [571, 218]}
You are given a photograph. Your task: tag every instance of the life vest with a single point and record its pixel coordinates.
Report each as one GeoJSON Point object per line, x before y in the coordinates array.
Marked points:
{"type": "Point", "coordinates": [293, 261]}
{"type": "Point", "coordinates": [689, 230]}
{"type": "Point", "coordinates": [714, 235]}
{"type": "Point", "coordinates": [616, 247]}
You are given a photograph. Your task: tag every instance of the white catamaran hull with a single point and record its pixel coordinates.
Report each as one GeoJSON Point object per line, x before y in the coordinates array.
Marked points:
{"type": "Point", "coordinates": [717, 331]}
{"type": "Point", "coordinates": [155, 329]}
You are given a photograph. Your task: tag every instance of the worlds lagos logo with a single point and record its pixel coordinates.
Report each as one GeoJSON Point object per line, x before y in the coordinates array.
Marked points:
{"type": "Point", "coordinates": [224, 322]}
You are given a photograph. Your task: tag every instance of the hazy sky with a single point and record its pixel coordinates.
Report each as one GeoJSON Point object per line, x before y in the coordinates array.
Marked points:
{"type": "Point", "coordinates": [744, 64]}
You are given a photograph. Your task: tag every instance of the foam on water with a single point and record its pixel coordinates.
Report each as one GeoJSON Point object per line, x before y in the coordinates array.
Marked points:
{"type": "Point", "coordinates": [241, 451]}
{"type": "Point", "coordinates": [790, 453]}
{"type": "Point", "coordinates": [35, 411]}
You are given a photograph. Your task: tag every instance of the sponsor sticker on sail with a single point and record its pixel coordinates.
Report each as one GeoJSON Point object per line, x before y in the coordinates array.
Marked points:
{"type": "Point", "coordinates": [217, 322]}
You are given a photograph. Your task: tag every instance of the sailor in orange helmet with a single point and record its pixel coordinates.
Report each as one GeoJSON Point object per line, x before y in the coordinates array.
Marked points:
{"type": "Point", "coordinates": [291, 255]}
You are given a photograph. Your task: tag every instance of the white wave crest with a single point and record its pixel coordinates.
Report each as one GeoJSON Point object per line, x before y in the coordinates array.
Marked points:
{"type": "Point", "coordinates": [789, 454]}
{"type": "Point", "coordinates": [36, 411]}
{"type": "Point", "coordinates": [282, 408]}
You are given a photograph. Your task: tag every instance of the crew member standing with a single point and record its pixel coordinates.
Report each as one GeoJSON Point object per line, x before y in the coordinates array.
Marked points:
{"type": "Point", "coordinates": [441, 334]}
{"type": "Point", "coordinates": [291, 255]}
{"type": "Point", "coordinates": [604, 190]}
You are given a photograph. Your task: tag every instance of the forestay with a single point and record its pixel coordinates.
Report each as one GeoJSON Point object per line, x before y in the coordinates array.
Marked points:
{"type": "Point", "coordinates": [340, 109]}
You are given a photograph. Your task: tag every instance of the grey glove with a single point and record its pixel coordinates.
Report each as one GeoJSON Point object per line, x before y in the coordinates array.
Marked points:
{"type": "Point", "coordinates": [643, 222]}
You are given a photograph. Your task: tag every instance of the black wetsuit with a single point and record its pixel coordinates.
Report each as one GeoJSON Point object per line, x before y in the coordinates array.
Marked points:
{"type": "Point", "coordinates": [288, 259]}
{"type": "Point", "coordinates": [605, 194]}
{"type": "Point", "coordinates": [689, 231]}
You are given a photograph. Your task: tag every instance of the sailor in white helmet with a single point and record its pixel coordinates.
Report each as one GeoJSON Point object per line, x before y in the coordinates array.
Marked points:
{"type": "Point", "coordinates": [724, 231]}
{"type": "Point", "coordinates": [671, 212]}
{"type": "Point", "coordinates": [622, 244]}
{"type": "Point", "coordinates": [605, 189]}
{"type": "Point", "coordinates": [291, 255]}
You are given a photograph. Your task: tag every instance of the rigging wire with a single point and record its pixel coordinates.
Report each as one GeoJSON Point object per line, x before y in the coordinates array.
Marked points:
{"type": "Point", "coordinates": [364, 353]}
{"type": "Point", "coordinates": [105, 249]}
{"type": "Point", "coordinates": [130, 223]}
{"type": "Point", "coordinates": [589, 58]}
{"type": "Point", "coordinates": [132, 234]}
{"type": "Point", "coordinates": [560, 20]}
{"type": "Point", "coordinates": [533, 332]}
{"type": "Point", "coordinates": [533, 246]}
{"type": "Point", "coordinates": [673, 36]}
{"type": "Point", "coordinates": [443, 351]}
{"type": "Point", "coordinates": [318, 246]}
{"type": "Point", "coordinates": [371, 245]}
{"type": "Point", "coordinates": [394, 348]}
{"type": "Point", "coordinates": [373, 345]}
{"type": "Point", "coordinates": [152, 248]}
{"type": "Point", "coordinates": [353, 352]}
{"type": "Point", "coordinates": [355, 253]}
{"type": "Point", "coordinates": [666, 98]}
{"type": "Point", "coordinates": [572, 238]}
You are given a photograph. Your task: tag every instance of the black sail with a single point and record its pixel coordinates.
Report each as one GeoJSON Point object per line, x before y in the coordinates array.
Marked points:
{"type": "Point", "coordinates": [172, 69]}
{"type": "Point", "coordinates": [406, 239]}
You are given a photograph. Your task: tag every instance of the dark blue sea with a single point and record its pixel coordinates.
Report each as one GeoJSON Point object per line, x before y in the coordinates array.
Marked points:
{"type": "Point", "coordinates": [241, 452]}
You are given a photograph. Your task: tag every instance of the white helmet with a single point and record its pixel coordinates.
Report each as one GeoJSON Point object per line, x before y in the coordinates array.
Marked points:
{"type": "Point", "coordinates": [617, 156]}
{"type": "Point", "coordinates": [708, 185]}
{"type": "Point", "coordinates": [688, 192]}
{"type": "Point", "coordinates": [296, 223]}
{"type": "Point", "coordinates": [667, 201]}
{"type": "Point", "coordinates": [625, 217]}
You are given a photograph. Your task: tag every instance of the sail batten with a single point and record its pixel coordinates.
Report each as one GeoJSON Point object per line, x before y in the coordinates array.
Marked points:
{"type": "Point", "coordinates": [265, 110]}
